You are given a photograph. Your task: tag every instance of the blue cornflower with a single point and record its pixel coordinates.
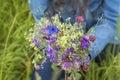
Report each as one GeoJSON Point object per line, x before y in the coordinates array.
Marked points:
{"type": "Point", "coordinates": [34, 40]}
{"type": "Point", "coordinates": [52, 29]}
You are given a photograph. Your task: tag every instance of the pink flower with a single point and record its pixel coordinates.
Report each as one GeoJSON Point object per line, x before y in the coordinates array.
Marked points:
{"type": "Point", "coordinates": [79, 19]}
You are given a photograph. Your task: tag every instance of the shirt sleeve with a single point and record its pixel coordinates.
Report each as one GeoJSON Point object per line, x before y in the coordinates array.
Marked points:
{"type": "Point", "coordinates": [37, 8]}
{"type": "Point", "coordinates": [105, 29]}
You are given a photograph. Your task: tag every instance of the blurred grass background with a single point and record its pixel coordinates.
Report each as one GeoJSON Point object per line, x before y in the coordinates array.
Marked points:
{"type": "Point", "coordinates": [15, 20]}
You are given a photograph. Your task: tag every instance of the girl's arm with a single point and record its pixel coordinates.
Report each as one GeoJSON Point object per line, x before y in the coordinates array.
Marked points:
{"type": "Point", "coordinates": [106, 29]}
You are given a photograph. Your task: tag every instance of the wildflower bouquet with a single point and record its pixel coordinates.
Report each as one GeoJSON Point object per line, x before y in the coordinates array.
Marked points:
{"type": "Point", "coordinates": [64, 43]}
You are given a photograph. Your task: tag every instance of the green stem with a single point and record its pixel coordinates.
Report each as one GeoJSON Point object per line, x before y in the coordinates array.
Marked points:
{"type": "Point", "coordinates": [28, 71]}
{"type": "Point", "coordinates": [65, 75]}
{"type": "Point", "coordinates": [74, 77]}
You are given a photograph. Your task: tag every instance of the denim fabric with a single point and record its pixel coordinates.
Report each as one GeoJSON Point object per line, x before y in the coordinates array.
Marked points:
{"type": "Point", "coordinates": [38, 7]}
{"type": "Point", "coordinates": [106, 26]}
{"type": "Point", "coordinates": [101, 15]}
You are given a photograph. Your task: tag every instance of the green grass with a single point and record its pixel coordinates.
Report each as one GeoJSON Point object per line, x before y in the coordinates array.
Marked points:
{"type": "Point", "coordinates": [15, 20]}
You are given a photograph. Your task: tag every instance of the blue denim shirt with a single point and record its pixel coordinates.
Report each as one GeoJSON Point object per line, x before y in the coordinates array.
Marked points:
{"type": "Point", "coordinates": [101, 15]}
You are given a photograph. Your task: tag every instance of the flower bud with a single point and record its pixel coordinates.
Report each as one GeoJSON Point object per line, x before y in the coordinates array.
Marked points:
{"type": "Point", "coordinates": [79, 19]}
{"type": "Point", "coordinates": [92, 38]}
{"type": "Point", "coordinates": [85, 68]}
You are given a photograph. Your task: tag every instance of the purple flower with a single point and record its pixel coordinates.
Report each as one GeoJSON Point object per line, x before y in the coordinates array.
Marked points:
{"type": "Point", "coordinates": [79, 60]}
{"type": "Point", "coordinates": [86, 60]}
{"type": "Point", "coordinates": [53, 57]}
{"type": "Point", "coordinates": [50, 53]}
{"type": "Point", "coordinates": [45, 28]}
{"type": "Point", "coordinates": [62, 56]}
{"type": "Point", "coordinates": [65, 57]}
{"type": "Point", "coordinates": [85, 63]}
{"type": "Point", "coordinates": [84, 43]}
{"type": "Point", "coordinates": [48, 34]}
{"type": "Point", "coordinates": [67, 64]}
{"type": "Point", "coordinates": [85, 39]}
{"type": "Point", "coordinates": [50, 50]}
{"type": "Point", "coordinates": [52, 29]}
{"type": "Point", "coordinates": [34, 40]}
{"type": "Point", "coordinates": [57, 48]}
{"type": "Point", "coordinates": [52, 40]}
{"type": "Point", "coordinates": [70, 49]}
{"type": "Point", "coordinates": [87, 57]}
{"type": "Point", "coordinates": [75, 56]}
{"type": "Point", "coordinates": [46, 31]}
{"type": "Point", "coordinates": [66, 53]}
